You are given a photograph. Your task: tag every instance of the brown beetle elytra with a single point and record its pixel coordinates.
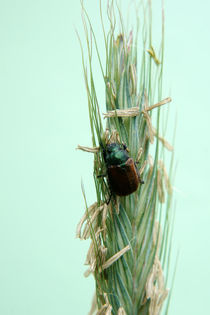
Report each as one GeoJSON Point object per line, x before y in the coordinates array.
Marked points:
{"type": "Point", "coordinates": [124, 179]}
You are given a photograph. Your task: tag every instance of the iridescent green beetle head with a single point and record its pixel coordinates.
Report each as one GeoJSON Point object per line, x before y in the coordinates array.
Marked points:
{"type": "Point", "coordinates": [115, 154]}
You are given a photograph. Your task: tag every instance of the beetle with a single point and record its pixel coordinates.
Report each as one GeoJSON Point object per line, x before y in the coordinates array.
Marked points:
{"type": "Point", "coordinates": [123, 175]}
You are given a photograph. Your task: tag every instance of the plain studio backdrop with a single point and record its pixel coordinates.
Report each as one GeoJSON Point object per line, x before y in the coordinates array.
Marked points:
{"type": "Point", "coordinates": [44, 116]}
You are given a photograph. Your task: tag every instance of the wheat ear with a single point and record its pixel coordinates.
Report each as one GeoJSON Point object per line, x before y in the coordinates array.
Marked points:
{"type": "Point", "coordinates": [130, 236]}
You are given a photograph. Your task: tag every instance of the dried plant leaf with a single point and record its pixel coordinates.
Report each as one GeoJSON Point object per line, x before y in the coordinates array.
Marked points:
{"type": "Point", "coordinates": [152, 53]}
{"type": "Point", "coordinates": [87, 149]}
{"type": "Point", "coordinates": [115, 257]}
{"type": "Point", "coordinates": [121, 311]}
{"type": "Point", "coordinates": [130, 112]}
{"type": "Point", "coordinates": [163, 102]}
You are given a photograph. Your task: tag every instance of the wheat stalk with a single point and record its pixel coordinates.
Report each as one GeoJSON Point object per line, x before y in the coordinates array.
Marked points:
{"type": "Point", "coordinates": [130, 236]}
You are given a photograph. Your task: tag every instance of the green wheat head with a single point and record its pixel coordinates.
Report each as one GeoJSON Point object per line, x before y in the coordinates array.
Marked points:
{"type": "Point", "coordinates": [130, 236]}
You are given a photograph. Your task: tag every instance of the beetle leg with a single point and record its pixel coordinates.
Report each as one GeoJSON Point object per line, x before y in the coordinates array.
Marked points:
{"type": "Point", "coordinates": [109, 192]}
{"type": "Point", "coordinates": [124, 146]}
{"type": "Point", "coordinates": [101, 175]}
{"type": "Point", "coordinates": [110, 196]}
{"type": "Point", "coordinates": [108, 188]}
{"type": "Point", "coordinates": [139, 176]}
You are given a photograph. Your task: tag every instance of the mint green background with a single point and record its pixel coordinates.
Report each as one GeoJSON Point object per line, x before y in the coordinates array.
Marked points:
{"type": "Point", "coordinates": [42, 119]}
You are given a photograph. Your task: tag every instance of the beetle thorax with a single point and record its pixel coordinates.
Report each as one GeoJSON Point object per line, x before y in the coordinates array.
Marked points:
{"type": "Point", "coordinates": [115, 154]}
